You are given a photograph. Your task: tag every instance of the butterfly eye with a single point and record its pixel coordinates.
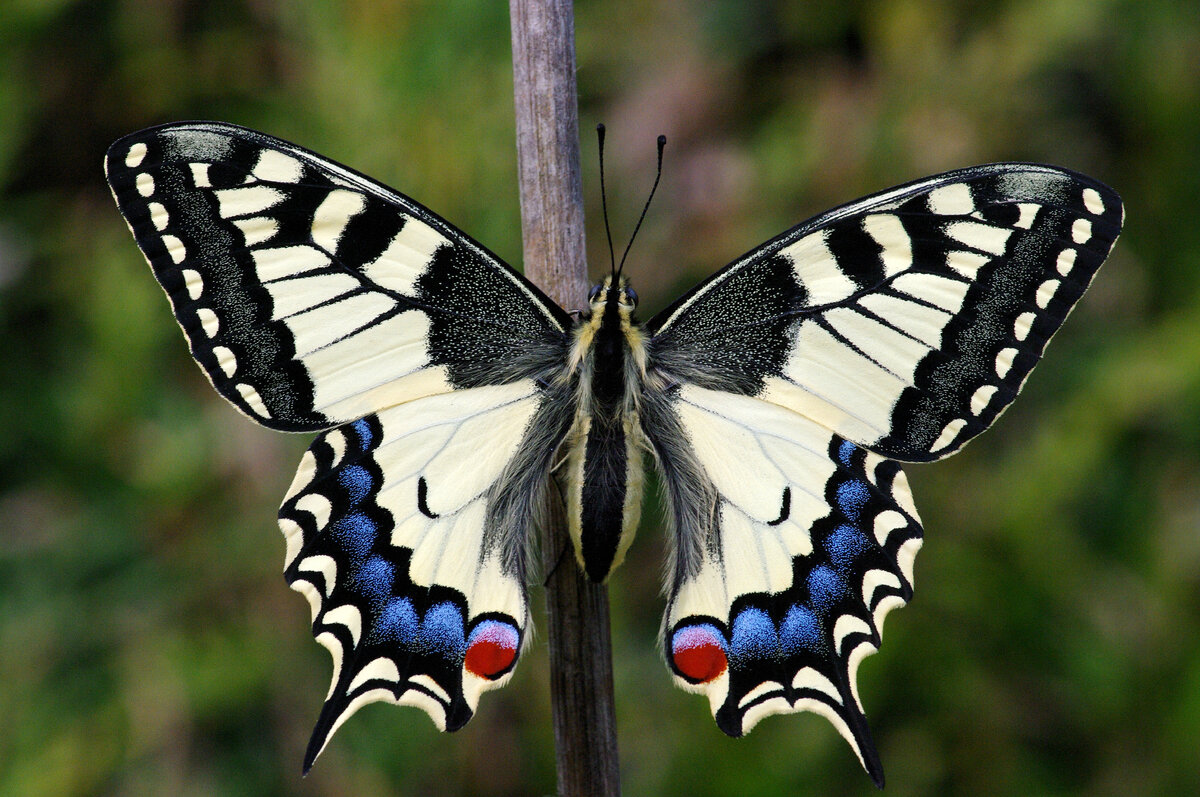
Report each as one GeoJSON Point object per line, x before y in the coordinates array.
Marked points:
{"type": "Point", "coordinates": [594, 293]}
{"type": "Point", "coordinates": [631, 297]}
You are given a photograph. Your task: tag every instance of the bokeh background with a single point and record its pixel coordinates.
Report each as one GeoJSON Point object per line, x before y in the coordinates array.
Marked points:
{"type": "Point", "coordinates": [148, 644]}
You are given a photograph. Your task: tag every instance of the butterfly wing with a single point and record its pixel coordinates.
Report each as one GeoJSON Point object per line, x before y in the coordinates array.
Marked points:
{"type": "Point", "coordinates": [907, 321]}
{"type": "Point", "coordinates": [790, 554]}
{"type": "Point", "coordinates": [310, 294]}
{"type": "Point", "coordinates": [406, 531]}
{"type": "Point", "coordinates": [781, 389]}
{"type": "Point", "coordinates": [313, 298]}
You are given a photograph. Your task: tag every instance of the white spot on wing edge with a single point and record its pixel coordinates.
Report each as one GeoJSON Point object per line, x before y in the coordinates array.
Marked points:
{"type": "Point", "coordinates": [323, 564]}
{"type": "Point", "coordinates": [175, 248]}
{"type": "Point", "coordinates": [1081, 231]}
{"type": "Point", "coordinates": [1045, 293]}
{"type": "Point", "coordinates": [346, 615]}
{"type": "Point", "coordinates": [906, 555]}
{"type": "Point", "coordinates": [886, 522]}
{"type": "Point", "coordinates": [1066, 261]}
{"type": "Point", "coordinates": [948, 435]}
{"type": "Point", "coordinates": [331, 643]}
{"type": "Point", "coordinates": [1093, 201]}
{"type": "Point", "coordinates": [1023, 324]}
{"type": "Point", "coordinates": [860, 652]}
{"type": "Point", "coordinates": [1004, 361]}
{"type": "Point", "coordinates": [380, 668]}
{"type": "Point", "coordinates": [145, 184]}
{"type": "Point", "coordinates": [133, 158]}
{"type": "Point", "coordinates": [293, 540]}
{"type": "Point", "coordinates": [253, 400]}
{"type": "Point", "coordinates": [318, 506]}
{"type": "Point", "coordinates": [763, 688]}
{"type": "Point", "coordinates": [874, 579]}
{"type": "Point", "coordinates": [981, 398]}
{"type": "Point", "coordinates": [158, 215]}
{"type": "Point", "coordinates": [809, 678]}
{"type": "Point", "coordinates": [193, 283]}
{"type": "Point", "coordinates": [846, 625]}
{"type": "Point", "coordinates": [433, 686]}
{"type": "Point", "coordinates": [274, 166]}
{"type": "Point", "coordinates": [225, 360]}
{"type": "Point", "coordinates": [951, 200]}
{"type": "Point", "coordinates": [208, 321]}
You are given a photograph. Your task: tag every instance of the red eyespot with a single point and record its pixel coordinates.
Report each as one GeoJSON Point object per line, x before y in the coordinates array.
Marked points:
{"type": "Point", "coordinates": [491, 649]}
{"type": "Point", "coordinates": [698, 652]}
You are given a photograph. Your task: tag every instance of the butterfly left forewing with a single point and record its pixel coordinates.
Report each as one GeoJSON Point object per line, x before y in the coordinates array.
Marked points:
{"type": "Point", "coordinates": [406, 531]}
{"type": "Point", "coordinates": [810, 546]}
{"type": "Point", "coordinates": [311, 295]}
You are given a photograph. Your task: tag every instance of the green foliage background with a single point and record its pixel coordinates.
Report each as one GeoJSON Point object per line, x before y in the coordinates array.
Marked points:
{"type": "Point", "coordinates": [148, 644]}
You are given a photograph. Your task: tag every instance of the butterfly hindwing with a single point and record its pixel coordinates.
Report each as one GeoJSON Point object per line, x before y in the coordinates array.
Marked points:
{"type": "Point", "coordinates": [311, 295]}
{"type": "Point", "coordinates": [412, 561]}
{"type": "Point", "coordinates": [811, 545]}
{"type": "Point", "coordinates": [906, 321]}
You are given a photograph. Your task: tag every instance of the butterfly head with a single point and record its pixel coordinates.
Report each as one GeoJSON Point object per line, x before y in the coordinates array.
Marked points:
{"type": "Point", "coordinates": [612, 295]}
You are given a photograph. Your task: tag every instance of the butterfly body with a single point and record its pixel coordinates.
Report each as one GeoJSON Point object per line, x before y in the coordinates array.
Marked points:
{"type": "Point", "coordinates": [775, 399]}
{"type": "Point", "coordinates": [606, 446]}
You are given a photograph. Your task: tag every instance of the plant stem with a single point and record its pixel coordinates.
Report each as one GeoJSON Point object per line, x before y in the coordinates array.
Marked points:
{"type": "Point", "coordinates": [547, 122]}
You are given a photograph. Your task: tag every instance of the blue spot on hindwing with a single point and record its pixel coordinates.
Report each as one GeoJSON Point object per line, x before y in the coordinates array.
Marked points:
{"type": "Point", "coordinates": [825, 589]}
{"type": "Point", "coordinates": [355, 534]}
{"type": "Point", "coordinates": [441, 632]}
{"type": "Point", "coordinates": [356, 481]}
{"type": "Point", "coordinates": [374, 580]}
{"type": "Point", "coordinates": [845, 544]}
{"type": "Point", "coordinates": [845, 452]}
{"type": "Point", "coordinates": [852, 496]}
{"type": "Point", "coordinates": [397, 623]}
{"type": "Point", "coordinates": [365, 437]}
{"type": "Point", "coordinates": [754, 636]}
{"type": "Point", "coordinates": [800, 630]}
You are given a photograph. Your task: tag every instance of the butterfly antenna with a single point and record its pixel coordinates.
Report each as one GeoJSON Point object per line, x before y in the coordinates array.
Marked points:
{"type": "Point", "coordinates": [612, 258]}
{"type": "Point", "coordinates": [662, 143]}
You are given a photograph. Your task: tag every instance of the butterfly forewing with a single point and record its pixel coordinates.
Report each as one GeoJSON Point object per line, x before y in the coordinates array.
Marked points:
{"type": "Point", "coordinates": [906, 321]}
{"type": "Point", "coordinates": [311, 295]}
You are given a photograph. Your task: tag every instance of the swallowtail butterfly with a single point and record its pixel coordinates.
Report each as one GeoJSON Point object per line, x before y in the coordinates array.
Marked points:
{"type": "Point", "coordinates": [775, 398]}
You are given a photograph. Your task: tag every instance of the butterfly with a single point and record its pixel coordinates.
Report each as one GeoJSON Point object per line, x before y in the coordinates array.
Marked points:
{"type": "Point", "coordinates": [776, 399]}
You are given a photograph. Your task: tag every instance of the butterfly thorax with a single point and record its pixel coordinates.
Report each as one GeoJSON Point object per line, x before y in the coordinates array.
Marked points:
{"type": "Point", "coordinates": [604, 489]}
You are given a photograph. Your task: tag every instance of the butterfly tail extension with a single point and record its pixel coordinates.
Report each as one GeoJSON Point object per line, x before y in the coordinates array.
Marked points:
{"type": "Point", "coordinates": [813, 545]}
{"type": "Point", "coordinates": [417, 595]}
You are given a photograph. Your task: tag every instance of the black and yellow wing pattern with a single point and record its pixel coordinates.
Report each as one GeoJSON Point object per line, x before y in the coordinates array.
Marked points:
{"type": "Point", "coordinates": [776, 398]}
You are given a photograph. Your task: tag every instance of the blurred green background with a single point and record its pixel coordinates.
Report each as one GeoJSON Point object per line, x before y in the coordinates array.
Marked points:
{"type": "Point", "coordinates": [148, 644]}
